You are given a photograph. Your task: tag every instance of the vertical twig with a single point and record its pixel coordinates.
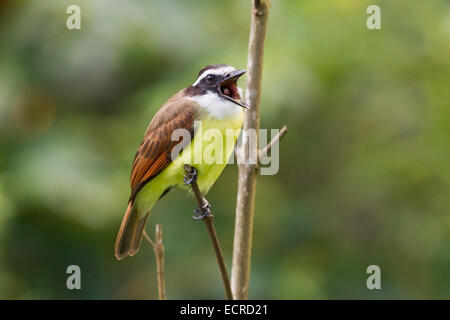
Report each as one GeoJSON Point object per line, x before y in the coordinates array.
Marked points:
{"type": "Point", "coordinates": [248, 171]}
{"type": "Point", "coordinates": [158, 249]}
{"type": "Point", "coordinates": [209, 223]}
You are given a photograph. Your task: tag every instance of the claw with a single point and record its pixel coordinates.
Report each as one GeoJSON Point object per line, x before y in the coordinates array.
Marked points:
{"type": "Point", "coordinates": [200, 216]}
{"type": "Point", "coordinates": [202, 211]}
{"type": "Point", "coordinates": [190, 177]}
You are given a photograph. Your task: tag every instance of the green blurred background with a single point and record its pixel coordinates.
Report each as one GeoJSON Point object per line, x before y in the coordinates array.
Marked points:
{"type": "Point", "coordinates": [364, 171]}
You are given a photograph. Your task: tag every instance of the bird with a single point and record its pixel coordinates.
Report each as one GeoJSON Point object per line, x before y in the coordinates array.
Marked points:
{"type": "Point", "coordinates": [213, 103]}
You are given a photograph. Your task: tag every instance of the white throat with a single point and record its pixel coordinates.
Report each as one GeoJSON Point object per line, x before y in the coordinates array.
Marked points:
{"type": "Point", "coordinates": [218, 107]}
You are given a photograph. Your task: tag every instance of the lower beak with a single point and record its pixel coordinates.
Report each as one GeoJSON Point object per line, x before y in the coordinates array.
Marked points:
{"type": "Point", "coordinates": [234, 76]}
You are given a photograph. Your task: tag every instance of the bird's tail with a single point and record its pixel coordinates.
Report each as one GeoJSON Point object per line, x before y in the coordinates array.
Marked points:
{"type": "Point", "coordinates": [130, 232]}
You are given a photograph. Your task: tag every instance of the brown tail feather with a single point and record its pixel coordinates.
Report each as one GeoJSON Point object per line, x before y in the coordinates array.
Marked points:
{"type": "Point", "coordinates": [130, 233]}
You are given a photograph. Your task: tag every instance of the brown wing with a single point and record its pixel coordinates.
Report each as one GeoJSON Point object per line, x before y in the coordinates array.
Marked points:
{"type": "Point", "coordinates": [154, 153]}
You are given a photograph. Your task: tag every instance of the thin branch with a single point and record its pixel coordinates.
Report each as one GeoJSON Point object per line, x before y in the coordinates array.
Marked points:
{"type": "Point", "coordinates": [149, 240]}
{"type": "Point", "coordinates": [209, 223]}
{"type": "Point", "coordinates": [248, 171]}
{"type": "Point", "coordinates": [158, 249]}
{"type": "Point", "coordinates": [262, 153]}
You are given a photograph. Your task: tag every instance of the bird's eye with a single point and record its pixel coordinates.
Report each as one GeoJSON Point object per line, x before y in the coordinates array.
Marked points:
{"type": "Point", "coordinates": [211, 77]}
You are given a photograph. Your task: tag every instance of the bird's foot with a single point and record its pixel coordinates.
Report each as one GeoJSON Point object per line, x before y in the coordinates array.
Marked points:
{"type": "Point", "coordinates": [190, 176]}
{"type": "Point", "coordinates": [202, 211]}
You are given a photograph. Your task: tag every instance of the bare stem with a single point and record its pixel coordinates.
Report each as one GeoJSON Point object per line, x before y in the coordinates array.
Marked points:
{"type": "Point", "coordinates": [262, 153]}
{"type": "Point", "coordinates": [149, 240]}
{"type": "Point", "coordinates": [158, 249]}
{"type": "Point", "coordinates": [248, 171]}
{"type": "Point", "coordinates": [209, 223]}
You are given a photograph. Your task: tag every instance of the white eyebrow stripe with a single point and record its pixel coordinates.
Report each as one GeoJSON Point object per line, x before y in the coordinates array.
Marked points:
{"type": "Point", "coordinates": [213, 71]}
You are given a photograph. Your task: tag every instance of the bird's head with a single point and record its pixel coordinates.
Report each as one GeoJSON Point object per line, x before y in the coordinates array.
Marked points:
{"type": "Point", "coordinates": [221, 79]}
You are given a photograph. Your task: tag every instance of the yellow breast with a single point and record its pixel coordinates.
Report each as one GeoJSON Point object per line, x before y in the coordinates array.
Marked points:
{"type": "Point", "coordinates": [208, 152]}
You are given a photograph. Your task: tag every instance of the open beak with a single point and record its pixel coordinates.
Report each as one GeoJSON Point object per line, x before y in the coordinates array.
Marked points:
{"type": "Point", "coordinates": [228, 88]}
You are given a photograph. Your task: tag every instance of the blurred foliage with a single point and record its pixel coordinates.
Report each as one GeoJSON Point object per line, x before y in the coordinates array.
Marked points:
{"type": "Point", "coordinates": [365, 169]}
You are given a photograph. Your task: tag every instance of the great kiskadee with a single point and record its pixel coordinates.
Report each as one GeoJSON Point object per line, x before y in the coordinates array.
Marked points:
{"type": "Point", "coordinates": [213, 101]}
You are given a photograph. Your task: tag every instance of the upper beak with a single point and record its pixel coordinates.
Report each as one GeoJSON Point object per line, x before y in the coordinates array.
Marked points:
{"type": "Point", "coordinates": [233, 77]}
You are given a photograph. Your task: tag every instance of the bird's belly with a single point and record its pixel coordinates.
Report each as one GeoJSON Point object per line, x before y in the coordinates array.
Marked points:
{"type": "Point", "coordinates": [208, 152]}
